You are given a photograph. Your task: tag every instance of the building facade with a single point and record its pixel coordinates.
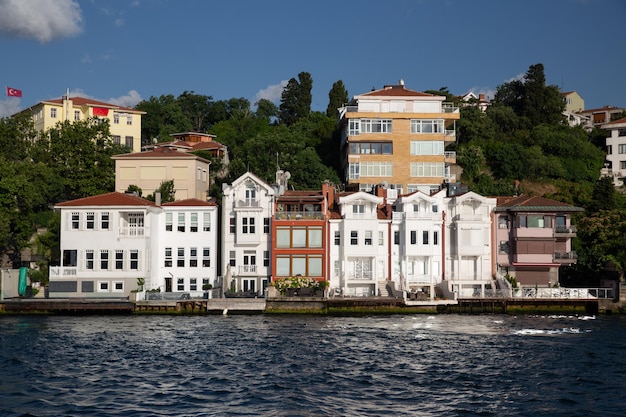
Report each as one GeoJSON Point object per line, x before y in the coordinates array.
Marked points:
{"type": "Point", "coordinates": [397, 137]}
{"type": "Point", "coordinates": [124, 122]}
{"type": "Point", "coordinates": [615, 166]}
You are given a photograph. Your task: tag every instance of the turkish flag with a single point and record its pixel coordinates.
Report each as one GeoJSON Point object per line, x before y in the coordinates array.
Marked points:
{"type": "Point", "coordinates": [12, 92]}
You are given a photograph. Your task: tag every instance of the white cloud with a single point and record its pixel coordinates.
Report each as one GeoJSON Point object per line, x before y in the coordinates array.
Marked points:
{"type": "Point", "coordinates": [86, 59]}
{"type": "Point", "coordinates": [129, 100]}
{"type": "Point", "coordinates": [518, 77]}
{"type": "Point", "coordinates": [489, 92]}
{"type": "Point", "coordinates": [43, 20]}
{"type": "Point", "coordinates": [9, 106]}
{"type": "Point", "coordinates": [271, 92]}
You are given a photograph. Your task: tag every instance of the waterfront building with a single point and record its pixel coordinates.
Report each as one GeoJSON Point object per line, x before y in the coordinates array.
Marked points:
{"type": "Point", "coordinates": [124, 122]}
{"type": "Point", "coordinates": [247, 210]}
{"type": "Point", "coordinates": [111, 241]}
{"type": "Point", "coordinates": [106, 245]}
{"type": "Point", "coordinates": [468, 221]}
{"type": "Point", "coordinates": [532, 239]}
{"type": "Point", "coordinates": [186, 249]}
{"type": "Point", "coordinates": [397, 137]}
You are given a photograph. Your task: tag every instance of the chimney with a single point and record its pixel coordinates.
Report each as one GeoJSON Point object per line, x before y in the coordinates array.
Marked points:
{"type": "Point", "coordinates": [481, 97]}
{"type": "Point", "coordinates": [157, 198]}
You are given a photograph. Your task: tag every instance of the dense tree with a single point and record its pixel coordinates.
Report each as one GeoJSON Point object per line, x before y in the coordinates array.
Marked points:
{"type": "Point", "coordinates": [267, 110]}
{"type": "Point", "coordinates": [167, 191]}
{"type": "Point", "coordinates": [337, 97]}
{"type": "Point", "coordinates": [163, 117]}
{"type": "Point", "coordinates": [296, 99]}
{"type": "Point", "coordinates": [474, 125]}
{"type": "Point", "coordinates": [196, 109]}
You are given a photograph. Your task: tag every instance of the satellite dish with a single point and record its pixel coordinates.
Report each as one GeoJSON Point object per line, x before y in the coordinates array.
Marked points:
{"type": "Point", "coordinates": [385, 184]}
{"type": "Point", "coordinates": [287, 175]}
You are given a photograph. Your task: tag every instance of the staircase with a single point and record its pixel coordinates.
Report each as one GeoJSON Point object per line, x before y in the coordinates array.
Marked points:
{"type": "Point", "coordinates": [383, 291]}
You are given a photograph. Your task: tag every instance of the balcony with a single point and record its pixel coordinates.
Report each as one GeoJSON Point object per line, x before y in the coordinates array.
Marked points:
{"type": "Point", "coordinates": [62, 271]}
{"type": "Point", "coordinates": [247, 203]}
{"type": "Point", "coordinates": [450, 157]}
{"type": "Point", "coordinates": [244, 270]}
{"type": "Point", "coordinates": [565, 257]}
{"type": "Point", "coordinates": [132, 232]}
{"type": "Point", "coordinates": [298, 215]}
{"type": "Point", "coordinates": [565, 231]}
{"type": "Point", "coordinates": [449, 108]}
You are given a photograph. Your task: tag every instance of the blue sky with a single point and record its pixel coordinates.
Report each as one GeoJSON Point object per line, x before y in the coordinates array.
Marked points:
{"type": "Point", "coordinates": [125, 51]}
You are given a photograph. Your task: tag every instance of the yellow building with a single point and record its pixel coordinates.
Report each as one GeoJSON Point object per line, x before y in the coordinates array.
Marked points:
{"type": "Point", "coordinates": [124, 122]}
{"type": "Point", "coordinates": [573, 102]}
{"type": "Point", "coordinates": [396, 137]}
{"type": "Point", "coordinates": [149, 169]}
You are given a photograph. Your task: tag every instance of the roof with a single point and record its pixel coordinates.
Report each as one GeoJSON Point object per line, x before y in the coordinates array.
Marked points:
{"type": "Point", "coordinates": [532, 203]}
{"type": "Point", "coordinates": [109, 199]}
{"type": "Point", "coordinates": [158, 153]}
{"type": "Point", "coordinates": [190, 202]}
{"type": "Point", "coordinates": [82, 101]}
{"type": "Point", "coordinates": [616, 122]}
{"type": "Point", "coordinates": [396, 90]}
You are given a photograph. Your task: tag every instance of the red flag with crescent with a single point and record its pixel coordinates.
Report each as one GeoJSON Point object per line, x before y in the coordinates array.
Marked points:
{"type": "Point", "coordinates": [100, 111]}
{"type": "Point", "coordinates": [12, 92]}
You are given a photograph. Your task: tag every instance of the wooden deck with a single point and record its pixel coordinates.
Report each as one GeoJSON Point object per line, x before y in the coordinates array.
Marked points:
{"type": "Point", "coordinates": [68, 306]}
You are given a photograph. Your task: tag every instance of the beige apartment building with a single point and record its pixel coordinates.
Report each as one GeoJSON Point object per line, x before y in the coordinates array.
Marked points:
{"type": "Point", "coordinates": [149, 169]}
{"type": "Point", "coordinates": [124, 122]}
{"type": "Point", "coordinates": [396, 137]}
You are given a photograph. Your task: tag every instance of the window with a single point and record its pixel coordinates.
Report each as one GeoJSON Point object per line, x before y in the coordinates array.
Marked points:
{"type": "Point", "coordinates": [233, 225]}
{"type": "Point", "coordinates": [205, 283]}
{"type": "Point", "coordinates": [247, 224]}
{"type": "Point", "coordinates": [89, 259]}
{"type": "Point", "coordinates": [168, 257]}
{"type": "Point", "coordinates": [206, 222]}
{"type": "Point", "coordinates": [427, 126]}
{"type": "Point", "coordinates": [193, 284]}
{"type": "Point", "coordinates": [376, 126]}
{"type": "Point", "coordinates": [180, 284]}
{"type": "Point", "coordinates": [168, 222]}
{"type": "Point", "coordinates": [396, 237]}
{"type": "Point", "coordinates": [91, 220]}
{"type": "Point", "coordinates": [193, 257]}
{"type": "Point", "coordinates": [76, 114]}
{"type": "Point", "coordinates": [103, 286]}
{"type": "Point", "coordinates": [194, 222]}
{"type": "Point", "coordinates": [181, 222]}
{"type": "Point", "coordinates": [118, 286]}
{"type": "Point", "coordinates": [75, 220]}
{"type": "Point", "coordinates": [503, 222]}
{"type": "Point", "coordinates": [249, 260]}
{"type": "Point", "coordinates": [368, 238]}
{"type": "Point", "coordinates": [206, 257]}
{"type": "Point", "coordinates": [358, 208]}
{"type": "Point", "coordinates": [427, 169]}
{"type": "Point", "coordinates": [70, 257]}
{"type": "Point", "coordinates": [354, 170]}
{"type": "Point", "coordinates": [376, 169]}
{"type": "Point", "coordinates": [370, 148]}
{"type": "Point", "coordinates": [354, 127]}
{"type": "Point", "coordinates": [427, 147]}
{"type": "Point", "coordinates": [621, 148]}
{"type": "Point", "coordinates": [129, 142]}
{"type": "Point", "coordinates": [104, 220]}
{"type": "Point", "coordinates": [425, 237]}
{"type": "Point", "coordinates": [266, 258]}
{"type": "Point", "coordinates": [354, 237]}
{"type": "Point", "coordinates": [135, 224]}
{"type": "Point", "coordinates": [116, 118]}
{"type": "Point", "coordinates": [53, 113]}
{"type": "Point", "coordinates": [232, 258]}
{"type": "Point", "coordinates": [435, 208]}
{"type": "Point", "coordinates": [413, 237]}
{"type": "Point", "coordinates": [381, 238]}
{"type": "Point", "coordinates": [129, 119]}
{"type": "Point", "coordinates": [134, 260]}
{"type": "Point", "coordinates": [117, 140]}
{"type": "Point", "coordinates": [104, 259]}
{"type": "Point", "coordinates": [435, 238]}
{"type": "Point", "coordinates": [337, 238]}
{"type": "Point", "coordinates": [266, 225]}
{"type": "Point", "coordinates": [622, 164]}
{"type": "Point", "coordinates": [119, 259]}
{"type": "Point", "coordinates": [180, 258]}
{"type": "Point", "coordinates": [504, 247]}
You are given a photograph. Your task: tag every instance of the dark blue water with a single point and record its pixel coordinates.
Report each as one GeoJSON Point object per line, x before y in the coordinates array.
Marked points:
{"type": "Point", "coordinates": [418, 365]}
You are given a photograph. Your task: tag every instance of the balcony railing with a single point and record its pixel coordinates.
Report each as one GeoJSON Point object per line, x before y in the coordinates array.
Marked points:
{"type": "Point", "coordinates": [566, 230]}
{"type": "Point", "coordinates": [132, 231]}
{"type": "Point", "coordinates": [246, 269]}
{"type": "Point", "coordinates": [247, 203]}
{"type": "Point", "coordinates": [298, 215]}
{"type": "Point", "coordinates": [62, 271]}
{"type": "Point", "coordinates": [565, 256]}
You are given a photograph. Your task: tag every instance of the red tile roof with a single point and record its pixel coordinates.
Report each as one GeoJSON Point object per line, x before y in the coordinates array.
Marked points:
{"type": "Point", "coordinates": [109, 199]}
{"type": "Point", "coordinates": [614, 122]}
{"type": "Point", "coordinates": [533, 203]}
{"type": "Point", "coordinates": [159, 153]}
{"type": "Point", "coordinates": [396, 90]}
{"type": "Point", "coordinates": [82, 101]}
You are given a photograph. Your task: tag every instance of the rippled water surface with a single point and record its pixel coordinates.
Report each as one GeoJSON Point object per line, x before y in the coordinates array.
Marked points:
{"type": "Point", "coordinates": [416, 365]}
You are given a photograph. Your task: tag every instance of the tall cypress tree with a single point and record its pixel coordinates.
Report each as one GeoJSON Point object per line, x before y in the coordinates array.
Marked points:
{"type": "Point", "coordinates": [337, 97]}
{"type": "Point", "coordinates": [296, 99]}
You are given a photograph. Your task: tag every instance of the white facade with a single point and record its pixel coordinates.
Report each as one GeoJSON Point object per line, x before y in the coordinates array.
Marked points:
{"type": "Point", "coordinates": [468, 245]}
{"type": "Point", "coordinates": [187, 251]}
{"type": "Point", "coordinates": [106, 245]}
{"type": "Point", "coordinates": [417, 245]}
{"type": "Point", "coordinates": [358, 249]}
{"type": "Point", "coordinates": [247, 210]}
{"type": "Point", "coordinates": [616, 151]}
{"type": "Point", "coordinates": [110, 241]}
